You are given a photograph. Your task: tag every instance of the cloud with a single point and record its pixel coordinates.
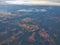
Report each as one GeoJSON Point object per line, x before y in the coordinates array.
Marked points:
{"type": "Point", "coordinates": [43, 10]}
{"type": "Point", "coordinates": [32, 10]}
{"type": "Point", "coordinates": [2, 1]}
{"type": "Point", "coordinates": [6, 14]}
{"type": "Point", "coordinates": [33, 2]}
{"type": "Point", "coordinates": [25, 10]}
{"type": "Point", "coordinates": [55, 0]}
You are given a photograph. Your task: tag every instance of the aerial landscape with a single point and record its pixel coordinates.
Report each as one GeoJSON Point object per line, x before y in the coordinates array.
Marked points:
{"type": "Point", "coordinates": [29, 24]}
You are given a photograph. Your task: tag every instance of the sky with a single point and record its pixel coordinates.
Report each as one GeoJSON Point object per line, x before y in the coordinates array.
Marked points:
{"type": "Point", "coordinates": [31, 2]}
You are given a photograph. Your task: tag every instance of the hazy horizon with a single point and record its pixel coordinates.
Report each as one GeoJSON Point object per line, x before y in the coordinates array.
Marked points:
{"type": "Point", "coordinates": [31, 2]}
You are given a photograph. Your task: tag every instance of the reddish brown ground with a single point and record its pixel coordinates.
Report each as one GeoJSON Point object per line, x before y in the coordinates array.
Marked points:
{"type": "Point", "coordinates": [31, 38]}
{"type": "Point", "coordinates": [29, 27]}
{"type": "Point", "coordinates": [44, 34]}
{"type": "Point", "coordinates": [3, 33]}
{"type": "Point", "coordinates": [11, 39]}
{"type": "Point", "coordinates": [47, 37]}
{"type": "Point", "coordinates": [27, 19]}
